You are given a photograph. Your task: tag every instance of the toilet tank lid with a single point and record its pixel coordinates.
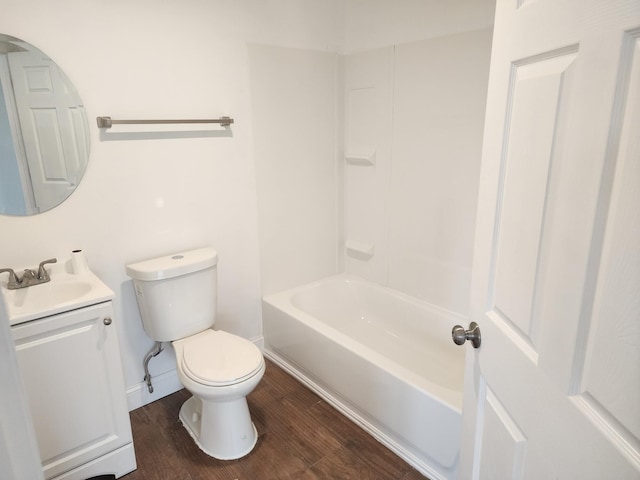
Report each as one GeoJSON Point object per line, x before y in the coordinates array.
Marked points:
{"type": "Point", "coordinates": [173, 265]}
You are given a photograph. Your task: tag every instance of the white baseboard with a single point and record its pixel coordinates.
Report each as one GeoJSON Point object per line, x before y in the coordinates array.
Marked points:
{"type": "Point", "coordinates": [164, 384]}
{"type": "Point", "coordinates": [259, 342]}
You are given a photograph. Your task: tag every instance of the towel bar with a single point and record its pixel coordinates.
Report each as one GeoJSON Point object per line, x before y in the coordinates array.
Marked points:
{"type": "Point", "coordinates": [107, 122]}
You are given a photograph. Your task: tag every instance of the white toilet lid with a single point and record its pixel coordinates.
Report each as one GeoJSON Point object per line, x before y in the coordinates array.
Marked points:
{"type": "Point", "coordinates": [219, 358]}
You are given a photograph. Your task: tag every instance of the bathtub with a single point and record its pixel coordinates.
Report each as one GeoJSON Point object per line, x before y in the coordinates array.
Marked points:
{"type": "Point", "coordinates": [384, 359]}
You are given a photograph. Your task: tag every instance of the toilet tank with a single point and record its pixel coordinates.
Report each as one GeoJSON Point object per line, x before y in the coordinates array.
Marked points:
{"type": "Point", "coordinates": [176, 294]}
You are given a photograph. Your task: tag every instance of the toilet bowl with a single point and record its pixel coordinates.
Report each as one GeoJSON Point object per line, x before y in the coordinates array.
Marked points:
{"type": "Point", "coordinates": [177, 298]}
{"type": "Point", "coordinates": [220, 370]}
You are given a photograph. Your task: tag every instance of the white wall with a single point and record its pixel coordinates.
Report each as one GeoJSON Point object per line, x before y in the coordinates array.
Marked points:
{"type": "Point", "coordinates": [146, 195]}
{"type": "Point", "coordinates": [420, 107]}
{"type": "Point", "coordinates": [440, 92]}
{"type": "Point", "coordinates": [294, 101]}
{"type": "Point", "coordinates": [367, 163]}
{"type": "Point", "coordinates": [372, 24]}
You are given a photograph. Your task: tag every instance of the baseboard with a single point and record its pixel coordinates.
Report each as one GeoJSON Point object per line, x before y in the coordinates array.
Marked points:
{"type": "Point", "coordinates": [258, 341]}
{"type": "Point", "coordinates": [164, 384]}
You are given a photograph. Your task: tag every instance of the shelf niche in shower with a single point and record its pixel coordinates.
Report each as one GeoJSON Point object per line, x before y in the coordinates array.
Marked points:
{"type": "Point", "coordinates": [360, 250]}
{"type": "Point", "coordinates": [361, 159]}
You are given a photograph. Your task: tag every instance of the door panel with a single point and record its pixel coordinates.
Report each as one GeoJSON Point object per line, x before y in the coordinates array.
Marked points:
{"type": "Point", "coordinates": [504, 452]}
{"type": "Point", "coordinates": [56, 138]}
{"type": "Point", "coordinates": [553, 392]}
{"type": "Point", "coordinates": [613, 352]}
{"type": "Point", "coordinates": [535, 94]}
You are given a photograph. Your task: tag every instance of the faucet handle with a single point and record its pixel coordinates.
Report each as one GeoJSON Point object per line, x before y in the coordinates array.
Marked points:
{"type": "Point", "coordinates": [42, 273]}
{"type": "Point", "coordinates": [13, 278]}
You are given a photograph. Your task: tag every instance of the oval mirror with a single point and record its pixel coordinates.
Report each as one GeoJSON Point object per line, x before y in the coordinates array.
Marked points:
{"type": "Point", "coordinates": [44, 133]}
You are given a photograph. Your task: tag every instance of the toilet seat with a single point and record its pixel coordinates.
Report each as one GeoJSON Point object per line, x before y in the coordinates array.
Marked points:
{"type": "Point", "coordinates": [217, 358]}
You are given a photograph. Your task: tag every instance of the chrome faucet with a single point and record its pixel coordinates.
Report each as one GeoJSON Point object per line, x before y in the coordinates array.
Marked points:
{"type": "Point", "coordinates": [29, 277]}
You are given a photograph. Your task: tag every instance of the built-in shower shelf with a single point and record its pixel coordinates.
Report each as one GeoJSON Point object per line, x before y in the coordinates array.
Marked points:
{"type": "Point", "coordinates": [359, 249]}
{"type": "Point", "coordinates": [364, 159]}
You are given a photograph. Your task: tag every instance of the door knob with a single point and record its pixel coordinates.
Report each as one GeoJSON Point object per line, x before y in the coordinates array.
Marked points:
{"type": "Point", "coordinates": [460, 335]}
{"type": "Point", "coordinates": [107, 321]}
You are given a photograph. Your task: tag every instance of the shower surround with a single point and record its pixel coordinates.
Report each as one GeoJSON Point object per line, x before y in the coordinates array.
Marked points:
{"type": "Point", "coordinates": [375, 179]}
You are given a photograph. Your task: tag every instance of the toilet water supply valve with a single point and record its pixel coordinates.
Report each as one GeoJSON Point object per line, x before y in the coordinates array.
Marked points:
{"type": "Point", "coordinates": [155, 351]}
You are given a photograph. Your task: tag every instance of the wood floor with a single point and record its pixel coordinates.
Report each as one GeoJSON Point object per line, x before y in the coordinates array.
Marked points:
{"type": "Point", "coordinates": [300, 436]}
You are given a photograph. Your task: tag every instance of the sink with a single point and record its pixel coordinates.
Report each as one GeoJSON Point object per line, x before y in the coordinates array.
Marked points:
{"type": "Point", "coordinates": [64, 292]}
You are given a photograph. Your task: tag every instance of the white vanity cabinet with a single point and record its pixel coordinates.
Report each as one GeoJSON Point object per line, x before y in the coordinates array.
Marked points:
{"type": "Point", "coordinates": [72, 374]}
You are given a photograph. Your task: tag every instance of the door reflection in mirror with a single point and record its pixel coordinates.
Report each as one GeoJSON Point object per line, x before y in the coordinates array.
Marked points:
{"type": "Point", "coordinates": [44, 133]}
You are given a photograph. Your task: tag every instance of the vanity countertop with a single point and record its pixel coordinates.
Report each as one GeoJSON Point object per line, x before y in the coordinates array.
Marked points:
{"type": "Point", "coordinates": [66, 291]}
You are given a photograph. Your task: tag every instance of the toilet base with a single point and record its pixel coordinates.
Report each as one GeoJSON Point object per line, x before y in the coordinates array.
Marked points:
{"type": "Point", "coordinates": [229, 433]}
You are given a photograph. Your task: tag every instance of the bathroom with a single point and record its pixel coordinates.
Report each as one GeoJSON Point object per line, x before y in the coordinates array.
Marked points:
{"type": "Point", "coordinates": [268, 197]}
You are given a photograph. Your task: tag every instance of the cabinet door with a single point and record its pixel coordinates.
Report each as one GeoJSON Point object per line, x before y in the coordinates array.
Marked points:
{"type": "Point", "coordinates": [70, 366]}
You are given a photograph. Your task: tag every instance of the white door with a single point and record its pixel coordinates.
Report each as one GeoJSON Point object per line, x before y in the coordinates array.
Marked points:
{"type": "Point", "coordinates": [22, 200]}
{"type": "Point", "coordinates": [19, 456]}
{"type": "Point", "coordinates": [56, 138]}
{"type": "Point", "coordinates": [553, 392]}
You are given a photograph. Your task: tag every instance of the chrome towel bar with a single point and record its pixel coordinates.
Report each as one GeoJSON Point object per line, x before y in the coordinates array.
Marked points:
{"type": "Point", "coordinates": [107, 122]}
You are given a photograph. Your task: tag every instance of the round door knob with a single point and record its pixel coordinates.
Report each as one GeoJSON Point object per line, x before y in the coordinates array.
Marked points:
{"type": "Point", "coordinates": [107, 321]}
{"type": "Point", "coordinates": [460, 335]}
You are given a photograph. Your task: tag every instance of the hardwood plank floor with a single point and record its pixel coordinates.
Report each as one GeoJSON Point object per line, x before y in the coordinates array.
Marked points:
{"type": "Point", "coordinates": [300, 436]}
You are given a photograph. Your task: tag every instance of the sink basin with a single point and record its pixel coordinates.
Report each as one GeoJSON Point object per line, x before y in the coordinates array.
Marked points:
{"type": "Point", "coordinates": [64, 292]}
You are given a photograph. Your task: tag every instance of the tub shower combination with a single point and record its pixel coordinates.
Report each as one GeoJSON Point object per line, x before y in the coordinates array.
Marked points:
{"type": "Point", "coordinates": [383, 358]}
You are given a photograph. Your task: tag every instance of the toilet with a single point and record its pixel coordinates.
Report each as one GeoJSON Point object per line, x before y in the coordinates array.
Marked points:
{"type": "Point", "coordinates": [177, 298]}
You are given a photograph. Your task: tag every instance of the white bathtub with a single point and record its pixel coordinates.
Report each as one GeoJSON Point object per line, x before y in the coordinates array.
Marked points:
{"type": "Point", "coordinates": [383, 358]}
